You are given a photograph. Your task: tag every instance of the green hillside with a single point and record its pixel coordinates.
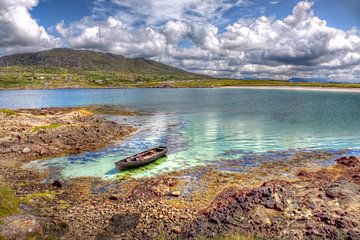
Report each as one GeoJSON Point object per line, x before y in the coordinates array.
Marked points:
{"type": "Point", "coordinates": [83, 68]}
{"type": "Point", "coordinates": [68, 68]}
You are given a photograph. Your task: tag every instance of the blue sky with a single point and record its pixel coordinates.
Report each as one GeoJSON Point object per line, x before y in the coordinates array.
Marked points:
{"type": "Point", "coordinates": [340, 14]}
{"type": "Point", "coordinates": [272, 39]}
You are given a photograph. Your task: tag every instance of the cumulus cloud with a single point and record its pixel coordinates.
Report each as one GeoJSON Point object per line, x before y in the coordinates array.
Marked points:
{"type": "Point", "coordinates": [19, 31]}
{"type": "Point", "coordinates": [300, 45]}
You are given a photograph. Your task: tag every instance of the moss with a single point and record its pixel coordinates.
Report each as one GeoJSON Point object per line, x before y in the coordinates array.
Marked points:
{"type": "Point", "coordinates": [50, 126]}
{"type": "Point", "coordinates": [7, 112]}
{"type": "Point", "coordinates": [30, 198]}
{"type": "Point", "coordinates": [2, 237]}
{"type": "Point", "coordinates": [33, 237]}
{"type": "Point", "coordinates": [8, 202]}
{"type": "Point", "coordinates": [62, 204]}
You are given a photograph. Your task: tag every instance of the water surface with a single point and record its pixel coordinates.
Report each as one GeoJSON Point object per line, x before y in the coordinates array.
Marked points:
{"type": "Point", "coordinates": [202, 126]}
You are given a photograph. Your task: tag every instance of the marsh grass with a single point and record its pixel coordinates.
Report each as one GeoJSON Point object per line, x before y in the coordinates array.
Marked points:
{"type": "Point", "coordinates": [7, 112]}
{"type": "Point", "coordinates": [8, 202]}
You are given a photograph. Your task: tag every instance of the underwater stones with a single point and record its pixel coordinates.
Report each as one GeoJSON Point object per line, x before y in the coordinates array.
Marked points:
{"type": "Point", "coordinates": [350, 161]}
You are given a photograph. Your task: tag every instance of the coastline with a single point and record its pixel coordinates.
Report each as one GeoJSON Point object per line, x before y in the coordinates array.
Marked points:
{"type": "Point", "coordinates": [307, 192]}
{"type": "Point", "coordinates": [294, 88]}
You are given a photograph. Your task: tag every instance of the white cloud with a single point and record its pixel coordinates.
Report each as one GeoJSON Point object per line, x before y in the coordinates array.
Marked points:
{"type": "Point", "coordinates": [19, 31]}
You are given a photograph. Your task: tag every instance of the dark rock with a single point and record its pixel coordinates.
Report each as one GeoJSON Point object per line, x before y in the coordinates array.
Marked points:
{"type": "Point", "coordinates": [353, 234]}
{"type": "Point", "coordinates": [350, 161]}
{"type": "Point", "coordinates": [105, 236]}
{"type": "Point", "coordinates": [59, 183]}
{"type": "Point", "coordinates": [121, 223]}
{"type": "Point", "coordinates": [113, 198]}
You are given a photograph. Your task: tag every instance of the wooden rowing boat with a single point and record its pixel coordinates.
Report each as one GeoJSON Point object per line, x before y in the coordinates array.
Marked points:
{"type": "Point", "coordinates": [142, 158]}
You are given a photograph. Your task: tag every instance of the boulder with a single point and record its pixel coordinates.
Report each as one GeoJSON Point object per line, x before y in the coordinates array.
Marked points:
{"type": "Point", "coordinates": [20, 227]}
{"type": "Point", "coordinates": [350, 161]}
{"type": "Point", "coordinates": [59, 183]}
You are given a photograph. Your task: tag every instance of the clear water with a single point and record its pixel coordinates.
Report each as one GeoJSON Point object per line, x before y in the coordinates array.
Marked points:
{"type": "Point", "coordinates": [202, 126]}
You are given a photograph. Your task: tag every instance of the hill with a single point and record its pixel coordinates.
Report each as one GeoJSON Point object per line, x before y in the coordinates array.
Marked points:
{"type": "Point", "coordinates": [68, 68]}
{"type": "Point", "coordinates": [64, 67]}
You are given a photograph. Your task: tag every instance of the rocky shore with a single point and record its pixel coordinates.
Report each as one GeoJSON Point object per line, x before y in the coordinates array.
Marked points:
{"type": "Point", "coordinates": [31, 134]}
{"type": "Point", "coordinates": [306, 195]}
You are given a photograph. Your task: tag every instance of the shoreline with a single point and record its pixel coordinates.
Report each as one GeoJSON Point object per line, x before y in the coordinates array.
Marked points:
{"type": "Point", "coordinates": [304, 194]}
{"type": "Point", "coordinates": [321, 89]}
{"type": "Point", "coordinates": [295, 88]}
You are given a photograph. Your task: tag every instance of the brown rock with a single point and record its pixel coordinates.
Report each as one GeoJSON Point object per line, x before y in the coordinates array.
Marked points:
{"type": "Point", "coordinates": [20, 227]}
{"type": "Point", "coordinates": [176, 229]}
{"type": "Point", "coordinates": [350, 161]}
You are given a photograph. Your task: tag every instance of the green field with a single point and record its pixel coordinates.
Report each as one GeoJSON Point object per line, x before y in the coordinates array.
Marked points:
{"type": "Point", "coordinates": [37, 77]}
{"type": "Point", "coordinates": [68, 68]}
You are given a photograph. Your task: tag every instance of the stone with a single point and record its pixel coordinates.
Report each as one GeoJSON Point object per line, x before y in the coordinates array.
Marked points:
{"type": "Point", "coordinates": [121, 223]}
{"type": "Point", "coordinates": [350, 161]}
{"type": "Point", "coordinates": [175, 193]}
{"type": "Point", "coordinates": [59, 183]}
{"type": "Point", "coordinates": [26, 150]}
{"type": "Point", "coordinates": [176, 229]}
{"type": "Point", "coordinates": [113, 198]}
{"type": "Point", "coordinates": [20, 227]}
{"type": "Point", "coordinates": [260, 215]}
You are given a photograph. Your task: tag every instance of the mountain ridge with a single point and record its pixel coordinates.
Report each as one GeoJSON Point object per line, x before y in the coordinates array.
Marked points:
{"type": "Point", "coordinates": [89, 60]}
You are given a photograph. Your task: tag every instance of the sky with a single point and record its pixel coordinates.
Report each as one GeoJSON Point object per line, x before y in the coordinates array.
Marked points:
{"type": "Point", "coordinates": [264, 39]}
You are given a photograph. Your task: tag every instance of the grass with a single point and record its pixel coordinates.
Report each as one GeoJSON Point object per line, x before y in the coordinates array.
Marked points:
{"type": "Point", "coordinates": [7, 112]}
{"type": "Point", "coordinates": [8, 202]}
{"type": "Point", "coordinates": [31, 198]}
{"type": "Point", "coordinates": [50, 126]}
{"type": "Point", "coordinates": [46, 78]}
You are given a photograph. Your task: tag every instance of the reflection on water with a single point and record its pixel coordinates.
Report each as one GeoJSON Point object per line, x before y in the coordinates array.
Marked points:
{"type": "Point", "coordinates": [202, 126]}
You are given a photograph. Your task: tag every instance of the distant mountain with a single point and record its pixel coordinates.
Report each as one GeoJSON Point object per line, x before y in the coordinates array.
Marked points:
{"type": "Point", "coordinates": [318, 80]}
{"type": "Point", "coordinates": [91, 60]}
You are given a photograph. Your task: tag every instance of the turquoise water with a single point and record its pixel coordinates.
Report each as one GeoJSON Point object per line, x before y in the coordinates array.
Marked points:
{"type": "Point", "coordinates": [202, 126]}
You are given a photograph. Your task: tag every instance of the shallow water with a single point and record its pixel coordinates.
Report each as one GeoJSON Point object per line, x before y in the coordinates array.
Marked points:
{"type": "Point", "coordinates": [202, 126]}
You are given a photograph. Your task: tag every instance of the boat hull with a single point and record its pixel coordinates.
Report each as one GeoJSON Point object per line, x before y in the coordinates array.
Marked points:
{"type": "Point", "coordinates": [123, 164]}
